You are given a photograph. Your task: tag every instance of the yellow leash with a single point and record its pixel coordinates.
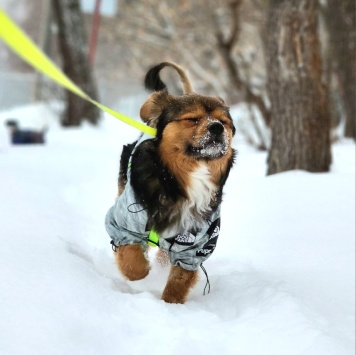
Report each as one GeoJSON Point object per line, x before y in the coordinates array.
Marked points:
{"type": "Point", "coordinates": [21, 44]}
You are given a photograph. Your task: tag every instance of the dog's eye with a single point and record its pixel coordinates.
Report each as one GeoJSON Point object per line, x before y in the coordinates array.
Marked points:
{"type": "Point", "coordinates": [192, 119]}
{"type": "Point", "coordinates": [223, 122]}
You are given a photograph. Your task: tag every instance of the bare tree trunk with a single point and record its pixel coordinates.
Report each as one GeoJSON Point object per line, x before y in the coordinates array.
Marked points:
{"type": "Point", "coordinates": [225, 47]}
{"type": "Point", "coordinates": [73, 48]}
{"type": "Point", "coordinates": [300, 117]}
{"type": "Point", "coordinates": [341, 21]}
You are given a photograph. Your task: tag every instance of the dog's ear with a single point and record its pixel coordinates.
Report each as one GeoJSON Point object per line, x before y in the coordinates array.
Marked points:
{"type": "Point", "coordinates": [153, 107]}
{"type": "Point", "coordinates": [147, 109]}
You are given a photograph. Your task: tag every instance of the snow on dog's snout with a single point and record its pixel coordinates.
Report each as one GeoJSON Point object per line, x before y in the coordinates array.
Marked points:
{"type": "Point", "coordinates": [215, 142]}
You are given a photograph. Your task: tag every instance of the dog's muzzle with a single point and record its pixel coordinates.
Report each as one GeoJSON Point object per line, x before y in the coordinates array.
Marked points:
{"type": "Point", "coordinates": [213, 145]}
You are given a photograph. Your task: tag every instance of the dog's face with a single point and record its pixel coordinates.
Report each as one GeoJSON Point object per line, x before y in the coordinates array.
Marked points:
{"type": "Point", "coordinates": [197, 126]}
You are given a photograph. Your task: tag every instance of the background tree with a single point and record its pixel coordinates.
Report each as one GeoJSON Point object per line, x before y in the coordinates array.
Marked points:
{"type": "Point", "coordinates": [300, 117]}
{"type": "Point", "coordinates": [226, 45]}
{"type": "Point", "coordinates": [341, 22]}
{"type": "Point", "coordinates": [72, 41]}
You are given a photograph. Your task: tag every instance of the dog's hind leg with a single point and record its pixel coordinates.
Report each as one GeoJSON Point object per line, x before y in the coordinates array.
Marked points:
{"type": "Point", "coordinates": [132, 262]}
{"type": "Point", "coordinates": [162, 257]}
{"type": "Point", "coordinates": [180, 281]}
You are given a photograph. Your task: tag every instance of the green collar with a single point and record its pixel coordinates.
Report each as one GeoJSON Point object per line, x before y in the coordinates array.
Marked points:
{"type": "Point", "coordinates": [153, 238]}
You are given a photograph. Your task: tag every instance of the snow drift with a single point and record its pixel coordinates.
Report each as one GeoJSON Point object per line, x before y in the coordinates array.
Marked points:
{"type": "Point", "coordinates": [282, 276]}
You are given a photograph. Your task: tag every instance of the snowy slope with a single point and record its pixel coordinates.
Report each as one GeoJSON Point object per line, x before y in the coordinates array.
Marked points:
{"type": "Point", "coordinates": [282, 276]}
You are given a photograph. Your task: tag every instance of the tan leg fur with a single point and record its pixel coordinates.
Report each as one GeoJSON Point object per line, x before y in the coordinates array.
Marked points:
{"type": "Point", "coordinates": [132, 262]}
{"type": "Point", "coordinates": [162, 257]}
{"type": "Point", "coordinates": [180, 281]}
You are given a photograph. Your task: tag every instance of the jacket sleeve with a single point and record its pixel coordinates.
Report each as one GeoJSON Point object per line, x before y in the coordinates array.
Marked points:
{"type": "Point", "coordinates": [125, 231]}
{"type": "Point", "coordinates": [190, 250]}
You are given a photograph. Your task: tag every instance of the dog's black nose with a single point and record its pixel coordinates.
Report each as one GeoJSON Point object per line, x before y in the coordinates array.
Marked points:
{"type": "Point", "coordinates": [216, 128]}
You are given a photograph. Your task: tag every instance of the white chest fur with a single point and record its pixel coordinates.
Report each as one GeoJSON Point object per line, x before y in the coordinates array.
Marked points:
{"type": "Point", "coordinates": [191, 213]}
{"type": "Point", "coordinates": [201, 189]}
{"type": "Point", "coordinates": [200, 192]}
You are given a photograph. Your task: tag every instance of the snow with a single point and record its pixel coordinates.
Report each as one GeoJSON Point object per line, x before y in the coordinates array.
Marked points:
{"type": "Point", "coordinates": [107, 8]}
{"type": "Point", "coordinates": [282, 276]}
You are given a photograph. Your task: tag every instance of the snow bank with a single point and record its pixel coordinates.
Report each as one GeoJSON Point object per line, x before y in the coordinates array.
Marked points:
{"type": "Point", "coordinates": [282, 275]}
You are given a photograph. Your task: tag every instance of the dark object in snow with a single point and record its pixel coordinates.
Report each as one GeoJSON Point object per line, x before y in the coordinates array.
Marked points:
{"type": "Point", "coordinates": [24, 136]}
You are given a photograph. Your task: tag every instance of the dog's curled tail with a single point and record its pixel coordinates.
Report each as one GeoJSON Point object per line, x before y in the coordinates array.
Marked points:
{"type": "Point", "coordinates": [153, 80]}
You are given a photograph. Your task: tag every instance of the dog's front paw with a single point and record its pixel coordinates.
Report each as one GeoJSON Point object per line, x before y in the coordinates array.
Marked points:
{"type": "Point", "coordinates": [172, 298]}
{"type": "Point", "coordinates": [180, 281]}
{"type": "Point", "coordinates": [132, 262]}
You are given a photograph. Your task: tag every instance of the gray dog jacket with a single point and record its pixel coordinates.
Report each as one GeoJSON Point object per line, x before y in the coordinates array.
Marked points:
{"type": "Point", "coordinates": [126, 223]}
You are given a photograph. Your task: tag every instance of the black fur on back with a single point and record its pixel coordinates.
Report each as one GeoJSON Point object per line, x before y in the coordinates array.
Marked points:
{"type": "Point", "coordinates": [153, 80]}
{"type": "Point", "coordinates": [124, 163]}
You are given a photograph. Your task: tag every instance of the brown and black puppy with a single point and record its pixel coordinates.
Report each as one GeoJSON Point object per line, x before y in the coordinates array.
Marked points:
{"type": "Point", "coordinates": [177, 178]}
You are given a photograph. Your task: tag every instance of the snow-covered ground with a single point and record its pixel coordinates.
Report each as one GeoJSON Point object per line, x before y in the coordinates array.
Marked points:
{"type": "Point", "coordinates": [282, 276]}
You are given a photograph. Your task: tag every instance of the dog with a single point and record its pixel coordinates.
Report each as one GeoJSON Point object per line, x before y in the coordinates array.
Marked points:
{"type": "Point", "coordinates": [171, 185]}
{"type": "Point", "coordinates": [24, 136]}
